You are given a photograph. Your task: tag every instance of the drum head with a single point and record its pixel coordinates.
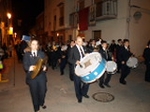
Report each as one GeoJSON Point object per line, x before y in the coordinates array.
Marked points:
{"type": "Point", "coordinates": [132, 62]}
{"type": "Point", "coordinates": [88, 63]}
{"type": "Point", "coordinates": [111, 67]}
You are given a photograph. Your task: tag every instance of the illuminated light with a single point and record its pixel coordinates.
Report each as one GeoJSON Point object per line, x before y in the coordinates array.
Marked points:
{"type": "Point", "coordinates": [57, 34]}
{"type": "Point", "coordinates": [8, 15]}
{"type": "Point", "coordinates": [10, 31]}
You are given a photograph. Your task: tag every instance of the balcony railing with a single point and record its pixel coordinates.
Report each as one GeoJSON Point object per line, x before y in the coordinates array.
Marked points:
{"type": "Point", "coordinates": [106, 9]}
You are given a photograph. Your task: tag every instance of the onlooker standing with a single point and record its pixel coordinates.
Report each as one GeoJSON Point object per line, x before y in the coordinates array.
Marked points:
{"type": "Point", "coordinates": [146, 56]}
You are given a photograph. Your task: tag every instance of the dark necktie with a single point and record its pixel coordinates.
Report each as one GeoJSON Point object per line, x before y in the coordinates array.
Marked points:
{"type": "Point", "coordinates": [106, 54]}
{"type": "Point", "coordinates": [34, 54]}
{"type": "Point", "coordinates": [81, 52]}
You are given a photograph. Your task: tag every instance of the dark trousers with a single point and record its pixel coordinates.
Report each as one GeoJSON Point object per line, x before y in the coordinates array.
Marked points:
{"type": "Point", "coordinates": [81, 88]}
{"type": "Point", "coordinates": [125, 70]}
{"type": "Point", "coordinates": [38, 91]}
{"type": "Point", "coordinates": [62, 65]}
{"type": "Point", "coordinates": [147, 73]}
{"type": "Point", "coordinates": [104, 80]}
{"type": "Point", "coordinates": [71, 71]}
{"type": "Point", "coordinates": [118, 66]}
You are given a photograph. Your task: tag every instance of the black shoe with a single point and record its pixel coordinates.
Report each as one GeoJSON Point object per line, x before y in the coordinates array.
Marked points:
{"type": "Point", "coordinates": [79, 101]}
{"type": "Point", "coordinates": [107, 85]}
{"type": "Point", "coordinates": [62, 74]}
{"type": "Point", "coordinates": [123, 82]}
{"type": "Point", "coordinates": [101, 86]}
{"type": "Point", "coordinates": [86, 96]}
{"type": "Point", "coordinates": [44, 106]}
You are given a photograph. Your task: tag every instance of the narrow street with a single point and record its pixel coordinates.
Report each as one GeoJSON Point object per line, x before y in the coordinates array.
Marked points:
{"type": "Point", "coordinates": [15, 95]}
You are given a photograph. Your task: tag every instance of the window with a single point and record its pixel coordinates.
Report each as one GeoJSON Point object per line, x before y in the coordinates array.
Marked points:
{"type": "Point", "coordinates": [81, 4]}
{"type": "Point", "coordinates": [106, 7]}
{"type": "Point", "coordinates": [97, 34]}
{"type": "Point", "coordinates": [61, 10]}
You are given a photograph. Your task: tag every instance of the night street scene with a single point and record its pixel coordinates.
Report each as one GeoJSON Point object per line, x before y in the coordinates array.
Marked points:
{"type": "Point", "coordinates": [74, 56]}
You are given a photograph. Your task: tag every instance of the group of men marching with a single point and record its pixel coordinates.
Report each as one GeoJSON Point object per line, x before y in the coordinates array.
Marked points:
{"type": "Point", "coordinates": [72, 54]}
{"type": "Point", "coordinates": [76, 50]}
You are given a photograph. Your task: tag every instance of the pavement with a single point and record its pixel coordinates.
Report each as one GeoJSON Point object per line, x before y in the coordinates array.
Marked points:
{"type": "Point", "coordinates": [15, 95]}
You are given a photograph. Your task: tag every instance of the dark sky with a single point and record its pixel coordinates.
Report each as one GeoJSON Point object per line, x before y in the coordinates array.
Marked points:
{"type": "Point", "coordinates": [27, 11]}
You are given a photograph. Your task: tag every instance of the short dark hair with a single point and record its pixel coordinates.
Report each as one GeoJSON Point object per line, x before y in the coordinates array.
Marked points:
{"type": "Point", "coordinates": [103, 41]}
{"type": "Point", "coordinates": [119, 40]}
{"type": "Point", "coordinates": [125, 40]}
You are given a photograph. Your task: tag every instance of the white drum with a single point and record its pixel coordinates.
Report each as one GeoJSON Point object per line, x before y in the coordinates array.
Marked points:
{"type": "Point", "coordinates": [111, 67]}
{"type": "Point", "coordinates": [91, 67]}
{"type": "Point", "coordinates": [132, 62]}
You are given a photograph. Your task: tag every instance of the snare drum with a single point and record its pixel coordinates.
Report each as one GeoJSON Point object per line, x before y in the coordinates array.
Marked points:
{"type": "Point", "coordinates": [91, 67]}
{"type": "Point", "coordinates": [132, 62]}
{"type": "Point", "coordinates": [111, 67]}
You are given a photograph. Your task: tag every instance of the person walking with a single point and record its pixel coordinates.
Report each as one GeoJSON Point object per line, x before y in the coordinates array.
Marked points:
{"type": "Point", "coordinates": [36, 85]}
{"type": "Point", "coordinates": [76, 54]}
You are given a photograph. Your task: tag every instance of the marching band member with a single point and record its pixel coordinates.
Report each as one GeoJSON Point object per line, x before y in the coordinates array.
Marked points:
{"type": "Point", "coordinates": [76, 54]}
{"type": "Point", "coordinates": [105, 54]}
{"type": "Point", "coordinates": [63, 58]}
{"type": "Point", "coordinates": [71, 66]}
{"type": "Point", "coordinates": [118, 61]}
{"type": "Point", "coordinates": [37, 85]}
{"type": "Point", "coordinates": [124, 55]}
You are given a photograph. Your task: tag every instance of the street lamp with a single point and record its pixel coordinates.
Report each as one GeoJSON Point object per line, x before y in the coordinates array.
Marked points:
{"type": "Point", "coordinates": [9, 15]}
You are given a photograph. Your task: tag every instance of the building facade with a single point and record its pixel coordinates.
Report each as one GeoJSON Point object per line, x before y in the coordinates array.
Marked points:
{"type": "Point", "coordinates": [106, 19]}
{"type": "Point", "coordinates": [5, 21]}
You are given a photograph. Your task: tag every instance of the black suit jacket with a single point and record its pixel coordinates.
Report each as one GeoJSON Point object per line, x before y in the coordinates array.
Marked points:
{"type": "Point", "coordinates": [107, 56]}
{"type": "Point", "coordinates": [124, 54]}
{"type": "Point", "coordinates": [29, 60]}
{"type": "Point", "coordinates": [146, 55]}
{"type": "Point", "coordinates": [74, 55]}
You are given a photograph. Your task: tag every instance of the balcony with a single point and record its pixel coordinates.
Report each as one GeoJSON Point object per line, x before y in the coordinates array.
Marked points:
{"type": "Point", "coordinates": [106, 10]}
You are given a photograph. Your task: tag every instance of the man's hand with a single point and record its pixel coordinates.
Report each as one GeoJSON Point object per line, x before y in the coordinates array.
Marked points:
{"type": "Point", "coordinates": [32, 67]}
{"type": "Point", "coordinates": [77, 62]}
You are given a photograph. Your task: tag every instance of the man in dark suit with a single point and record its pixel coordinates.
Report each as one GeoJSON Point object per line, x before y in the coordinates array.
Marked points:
{"type": "Point", "coordinates": [36, 84]}
{"type": "Point", "coordinates": [106, 55]}
{"type": "Point", "coordinates": [76, 54]}
{"type": "Point", "coordinates": [71, 66]}
{"type": "Point", "coordinates": [146, 55]}
{"type": "Point", "coordinates": [124, 55]}
{"type": "Point", "coordinates": [118, 47]}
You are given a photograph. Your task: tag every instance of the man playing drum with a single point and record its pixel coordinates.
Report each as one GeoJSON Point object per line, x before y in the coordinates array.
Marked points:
{"type": "Point", "coordinates": [104, 52]}
{"type": "Point", "coordinates": [124, 55]}
{"type": "Point", "coordinates": [76, 54]}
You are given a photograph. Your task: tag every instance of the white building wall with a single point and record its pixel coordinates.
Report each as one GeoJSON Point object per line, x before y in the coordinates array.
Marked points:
{"type": "Point", "coordinates": [124, 26]}
{"type": "Point", "coordinates": [112, 29]}
{"type": "Point", "coordinates": [139, 30]}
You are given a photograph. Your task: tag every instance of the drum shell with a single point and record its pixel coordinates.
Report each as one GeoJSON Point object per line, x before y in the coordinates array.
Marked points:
{"type": "Point", "coordinates": [92, 76]}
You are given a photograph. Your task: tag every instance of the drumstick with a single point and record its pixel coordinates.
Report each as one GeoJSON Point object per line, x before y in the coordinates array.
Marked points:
{"type": "Point", "coordinates": [80, 65]}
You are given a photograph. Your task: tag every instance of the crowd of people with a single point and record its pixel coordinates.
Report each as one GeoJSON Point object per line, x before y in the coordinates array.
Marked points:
{"type": "Point", "coordinates": [59, 55]}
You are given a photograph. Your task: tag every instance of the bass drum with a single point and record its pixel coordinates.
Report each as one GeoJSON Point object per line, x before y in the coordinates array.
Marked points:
{"type": "Point", "coordinates": [91, 67]}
